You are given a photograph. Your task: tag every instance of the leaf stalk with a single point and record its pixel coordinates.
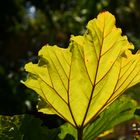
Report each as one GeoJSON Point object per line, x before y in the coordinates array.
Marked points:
{"type": "Point", "coordinates": [80, 133]}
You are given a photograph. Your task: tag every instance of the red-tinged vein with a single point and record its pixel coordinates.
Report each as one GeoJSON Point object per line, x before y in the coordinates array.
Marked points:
{"type": "Point", "coordinates": [55, 108]}
{"type": "Point", "coordinates": [126, 63]}
{"type": "Point", "coordinates": [108, 33]}
{"type": "Point", "coordinates": [98, 92]}
{"type": "Point", "coordinates": [93, 45]}
{"type": "Point", "coordinates": [68, 98]}
{"type": "Point", "coordinates": [107, 71]}
{"type": "Point", "coordinates": [95, 50]}
{"type": "Point", "coordinates": [58, 74]}
{"type": "Point", "coordinates": [60, 64]}
{"type": "Point", "coordinates": [38, 75]}
{"type": "Point", "coordinates": [123, 82]}
{"type": "Point", "coordinates": [127, 69]}
{"type": "Point", "coordinates": [83, 58]}
{"type": "Point", "coordinates": [123, 89]}
{"type": "Point", "coordinates": [52, 89]}
{"type": "Point", "coordinates": [65, 59]}
{"type": "Point", "coordinates": [96, 77]}
{"type": "Point", "coordinates": [111, 47]}
{"type": "Point", "coordinates": [50, 79]}
{"type": "Point", "coordinates": [102, 108]}
{"type": "Point", "coordinates": [100, 42]}
{"type": "Point", "coordinates": [111, 101]}
{"type": "Point", "coordinates": [85, 70]}
{"type": "Point", "coordinates": [69, 93]}
{"type": "Point", "coordinates": [94, 80]}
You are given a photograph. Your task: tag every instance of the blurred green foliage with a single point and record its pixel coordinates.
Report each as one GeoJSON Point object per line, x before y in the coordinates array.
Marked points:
{"type": "Point", "coordinates": [27, 25]}
{"type": "Point", "coordinates": [25, 127]}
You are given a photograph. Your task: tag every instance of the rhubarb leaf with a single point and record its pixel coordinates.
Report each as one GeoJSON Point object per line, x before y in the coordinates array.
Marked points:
{"type": "Point", "coordinates": [80, 82]}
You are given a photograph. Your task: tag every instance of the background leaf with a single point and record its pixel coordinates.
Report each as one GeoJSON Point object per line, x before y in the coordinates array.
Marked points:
{"type": "Point", "coordinates": [25, 127]}
{"type": "Point", "coordinates": [120, 111]}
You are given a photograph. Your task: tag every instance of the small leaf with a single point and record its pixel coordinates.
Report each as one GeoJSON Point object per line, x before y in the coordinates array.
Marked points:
{"type": "Point", "coordinates": [67, 130]}
{"type": "Point", "coordinates": [80, 82]}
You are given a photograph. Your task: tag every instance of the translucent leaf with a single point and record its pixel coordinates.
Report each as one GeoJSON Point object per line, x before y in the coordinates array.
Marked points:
{"type": "Point", "coordinates": [79, 82]}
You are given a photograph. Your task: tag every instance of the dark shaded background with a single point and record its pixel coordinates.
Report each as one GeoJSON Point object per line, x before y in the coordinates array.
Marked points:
{"type": "Point", "coordinates": [27, 25]}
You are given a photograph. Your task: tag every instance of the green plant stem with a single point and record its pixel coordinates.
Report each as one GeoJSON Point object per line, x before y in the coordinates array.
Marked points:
{"type": "Point", "coordinates": [80, 133]}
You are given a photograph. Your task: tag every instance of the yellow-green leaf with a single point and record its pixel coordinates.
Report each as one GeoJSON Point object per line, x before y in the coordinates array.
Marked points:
{"type": "Point", "coordinates": [79, 82]}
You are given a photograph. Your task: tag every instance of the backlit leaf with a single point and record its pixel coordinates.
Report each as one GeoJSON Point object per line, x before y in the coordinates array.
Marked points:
{"type": "Point", "coordinates": [79, 82]}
